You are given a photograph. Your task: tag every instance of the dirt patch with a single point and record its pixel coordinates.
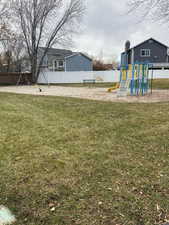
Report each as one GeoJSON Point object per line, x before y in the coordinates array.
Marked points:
{"type": "Point", "coordinates": [87, 93]}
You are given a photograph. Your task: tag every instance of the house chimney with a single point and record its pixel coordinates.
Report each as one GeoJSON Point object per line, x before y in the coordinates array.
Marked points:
{"type": "Point", "coordinates": [127, 46]}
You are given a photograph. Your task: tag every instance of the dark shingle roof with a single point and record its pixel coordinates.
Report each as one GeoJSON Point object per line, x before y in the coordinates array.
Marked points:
{"type": "Point", "coordinates": [62, 53]}
{"type": "Point", "coordinates": [149, 40]}
{"type": "Point", "coordinates": [58, 52]}
{"type": "Point", "coordinates": [145, 42]}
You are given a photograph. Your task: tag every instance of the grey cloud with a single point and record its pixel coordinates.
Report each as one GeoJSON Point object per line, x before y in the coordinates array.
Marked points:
{"type": "Point", "coordinates": [107, 25]}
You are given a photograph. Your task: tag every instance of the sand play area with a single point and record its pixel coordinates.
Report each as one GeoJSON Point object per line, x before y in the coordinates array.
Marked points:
{"type": "Point", "coordinates": [92, 93]}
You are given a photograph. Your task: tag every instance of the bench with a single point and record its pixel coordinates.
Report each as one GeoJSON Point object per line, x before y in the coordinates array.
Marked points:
{"type": "Point", "coordinates": [89, 81]}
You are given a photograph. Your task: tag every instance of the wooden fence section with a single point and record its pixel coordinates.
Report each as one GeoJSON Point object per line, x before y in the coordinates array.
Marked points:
{"type": "Point", "coordinates": [15, 78]}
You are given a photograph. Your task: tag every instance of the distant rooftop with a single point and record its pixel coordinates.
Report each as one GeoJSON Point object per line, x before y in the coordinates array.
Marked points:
{"type": "Point", "coordinates": [56, 51]}
{"type": "Point", "coordinates": [62, 53]}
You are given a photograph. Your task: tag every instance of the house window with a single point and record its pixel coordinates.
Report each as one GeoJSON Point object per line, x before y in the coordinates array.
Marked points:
{"type": "Point", "coordinates": [50, 65]}
{"type": "Point", "coordinates": [58, 65]}
{"type": "Point", "coordinates": [145, 53]}
{"type": "Point", "coordinates": [55, 65]}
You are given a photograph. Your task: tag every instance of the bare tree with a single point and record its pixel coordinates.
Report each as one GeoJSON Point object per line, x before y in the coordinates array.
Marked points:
{"type": "Point", "coordinates": [45, 23]}
{"type": "Point", "coordinates": [4, 8]}
{"type": "Point", "coordinates": [156, 9]}
{"type": "Point", "coordinates": [7, 43]}
{"type": "Point", "coordinates": [19, 50]}
{"type": "Point", "coordinates": [12, 46]}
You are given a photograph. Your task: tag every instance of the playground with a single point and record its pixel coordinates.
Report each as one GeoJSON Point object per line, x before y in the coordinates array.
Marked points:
{"type": "Point", "coordinates": [91, 93]}
{"type": "Point", "coordinates": [135, 84]}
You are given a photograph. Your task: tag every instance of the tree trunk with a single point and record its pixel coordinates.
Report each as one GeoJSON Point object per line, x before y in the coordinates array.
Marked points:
{"type": "Point", "coordinates": [37, 73]}
{"type": "Point", "coordinates": [34, 68]}
{"type": "Point", "coordinates": [8, 65]}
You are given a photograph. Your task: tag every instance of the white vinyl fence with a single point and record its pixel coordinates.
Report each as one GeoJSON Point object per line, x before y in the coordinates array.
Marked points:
{"type": "Point", "coordinates": [99, 76]}
{"type": "Point", "coordinates": [159, 74]}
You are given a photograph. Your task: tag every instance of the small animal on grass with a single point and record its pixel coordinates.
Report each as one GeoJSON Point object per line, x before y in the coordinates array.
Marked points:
{"type": "Point", "coordinates": [6, 217]}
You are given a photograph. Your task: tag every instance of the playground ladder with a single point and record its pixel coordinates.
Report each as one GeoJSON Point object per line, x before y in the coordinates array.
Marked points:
{"type": "Point", "coordinates": [123, 89]}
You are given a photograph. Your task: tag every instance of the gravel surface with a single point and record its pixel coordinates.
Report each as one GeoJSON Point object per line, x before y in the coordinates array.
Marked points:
{"type": "Point", "coordinates": [100, 94]}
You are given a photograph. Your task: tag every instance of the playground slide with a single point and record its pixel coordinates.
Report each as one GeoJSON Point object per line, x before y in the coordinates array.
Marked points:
{"type": "Point", "coordinates": [114, 88]}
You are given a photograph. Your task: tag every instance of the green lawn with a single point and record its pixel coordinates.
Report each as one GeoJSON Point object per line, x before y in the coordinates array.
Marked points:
{"type": "Point", "coordinates": [161, 84]}
{"type": "Point", "coordinates": [157, 84]}
{"type": "Point", "coordinates": [100, 85]}
{"type": "Point", "coordinates": [66, 161]}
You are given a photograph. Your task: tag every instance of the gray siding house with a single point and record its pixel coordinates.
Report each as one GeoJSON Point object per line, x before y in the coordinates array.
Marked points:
{"type": "Point", "coordinates": [66, 60]}
{"type": "Point", "coordinates": [150, 51]}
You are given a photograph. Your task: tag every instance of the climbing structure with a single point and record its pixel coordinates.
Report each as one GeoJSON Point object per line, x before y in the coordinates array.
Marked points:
{"type": "Point", "coordinates": [134, 80]}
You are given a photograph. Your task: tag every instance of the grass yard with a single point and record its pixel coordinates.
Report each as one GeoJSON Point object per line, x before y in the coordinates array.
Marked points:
{"type": "Point", "coordinates": [161, 84]}
{"type": "Point", "coordinates": [157, 84]}
{"type": "Point", "coordinates": [99, 85]}
{"type": "Point", "coordinates": [66, 161]}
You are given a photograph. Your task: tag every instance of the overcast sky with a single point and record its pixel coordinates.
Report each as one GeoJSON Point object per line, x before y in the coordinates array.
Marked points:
{"type": "Point", "coordinates": [106, 26]}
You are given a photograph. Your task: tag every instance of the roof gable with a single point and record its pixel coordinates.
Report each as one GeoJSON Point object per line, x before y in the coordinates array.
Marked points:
{"type": "Point", "coordinates": [57, 52]}
{"type": "Point", "coordinates": [145, 42]}
{"type": "Point", "coordinates": [150, 40]}
{"type": "Point", "coordinates": [63, 53]}
{"type": "Point", "coordinates": [77, 53]}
